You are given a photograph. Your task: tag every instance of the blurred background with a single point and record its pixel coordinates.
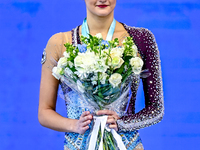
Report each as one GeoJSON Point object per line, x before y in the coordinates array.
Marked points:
{"type": "Point", "coordinates": [26, 26]}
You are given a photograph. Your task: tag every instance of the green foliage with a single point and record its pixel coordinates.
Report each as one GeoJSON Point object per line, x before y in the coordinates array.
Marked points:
{"type": "Point", "coordinates": [73, 51]}
{"type": "Point", "coordinates": [128, 50]}
{"type": "Point", "coordinates": [103, 93]}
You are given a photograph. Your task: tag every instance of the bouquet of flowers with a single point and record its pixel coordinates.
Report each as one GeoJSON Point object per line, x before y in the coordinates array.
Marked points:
{"type": "Point", "coordinates": [100, 73]}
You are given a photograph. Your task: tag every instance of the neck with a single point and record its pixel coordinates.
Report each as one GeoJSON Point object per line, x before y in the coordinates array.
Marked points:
{"type": "Point", "coordinates": [98, 24]}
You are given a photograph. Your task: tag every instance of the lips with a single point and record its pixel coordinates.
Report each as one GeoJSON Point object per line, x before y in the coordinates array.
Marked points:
{"type": "Point", "coordinates": [102, 6]}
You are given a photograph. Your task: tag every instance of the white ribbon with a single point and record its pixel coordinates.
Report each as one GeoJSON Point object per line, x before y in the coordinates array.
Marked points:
{"type": "Point", "coordinates": [102, 121]}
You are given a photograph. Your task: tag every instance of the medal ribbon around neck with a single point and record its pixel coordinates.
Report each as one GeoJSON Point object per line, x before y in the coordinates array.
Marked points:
{"type": "Point", "coordinates": [85, 29]}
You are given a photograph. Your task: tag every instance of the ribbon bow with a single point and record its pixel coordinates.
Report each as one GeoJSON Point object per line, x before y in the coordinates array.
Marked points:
{"type": "Point", "coordinates": [102, 121]}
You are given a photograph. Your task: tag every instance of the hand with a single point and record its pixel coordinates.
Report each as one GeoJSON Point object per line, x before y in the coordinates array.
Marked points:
{"type": "Point", "coordinates": [112, 118]}
{"type": "Point", "coordinates": [83, 122]}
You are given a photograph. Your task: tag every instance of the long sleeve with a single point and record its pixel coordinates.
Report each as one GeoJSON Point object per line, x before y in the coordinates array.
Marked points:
{"type": "Point", "coordinates": [153, 90]}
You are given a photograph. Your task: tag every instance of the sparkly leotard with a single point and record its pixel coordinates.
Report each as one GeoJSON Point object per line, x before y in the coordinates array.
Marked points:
{"type": "Point", "coordinates": [154, 109]}
{"type": "Point", "coordinates": [153, 90]}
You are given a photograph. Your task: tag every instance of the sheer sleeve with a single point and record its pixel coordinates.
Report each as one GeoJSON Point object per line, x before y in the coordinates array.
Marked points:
{"type": "Point", "coordinates": [54, 49]}
{"type": "Point", "coordinates": [153, 90]}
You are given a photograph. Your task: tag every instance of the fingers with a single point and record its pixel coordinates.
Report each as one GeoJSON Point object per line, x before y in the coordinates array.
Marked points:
{"type": "Point", "coordinates": [108, 112]}
{"type": "Point", "coordinates": [111, 121]}
{"type": "Point", "coordinates": [113, 126]}
{"type": "Point", "coordinates": [83, 129]}
{"type": "Point", "coordinates": [105, 112]}
{"type": "Point", "coordinates": [86, 123]}
{"type": "Point", "coordinates": [85, 116]}
{"type": "Point", "coordinates": [83, 122]}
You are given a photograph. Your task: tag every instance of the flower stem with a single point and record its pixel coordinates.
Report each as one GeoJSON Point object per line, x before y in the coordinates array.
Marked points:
{"type": "Point", "coordinates": [110, 139]}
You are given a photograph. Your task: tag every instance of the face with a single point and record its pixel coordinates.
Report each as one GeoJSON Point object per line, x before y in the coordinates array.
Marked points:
{"type": "Point", "coordinates": [100, 7]}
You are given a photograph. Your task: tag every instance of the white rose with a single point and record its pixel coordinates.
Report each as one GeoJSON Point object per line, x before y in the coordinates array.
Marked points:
{"type": "Point", "coordinates": [65, 54]}
{"type": "Point", "coordinates": [99, 35]}
{"type": "Point", "coordinates": [117, 62]}
{"type": "Point", "coordinates": [117, 52]}
{"type": "Point", "coordinates": [115, 79]}
{"type": "Point", "coordinates": [62, 62]}
{"type": "Point", "coordinates": [78, 60]}
{"type": "Point", "coordinates": [56, 72]}
{"type": "Point", "coordinates": [136, 64]}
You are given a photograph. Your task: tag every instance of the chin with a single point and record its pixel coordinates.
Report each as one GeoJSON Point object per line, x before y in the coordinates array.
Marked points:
{"type": "Point", "coordinates": [104, 14]}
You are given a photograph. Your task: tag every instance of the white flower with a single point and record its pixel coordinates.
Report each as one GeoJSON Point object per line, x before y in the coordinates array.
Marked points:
{"type": "Point", "coordinates": [115, 54]}
{"type": "Point", "coordinates": [70, 64]}
{"type": "Point", "coordinates": [118, 51]}
{"type": "Point", "coordinates": [81, 75]}
{"type": "Point", "coordinates": [135, 50]}
{"type": "Point", "coordinates": [100, 65]}
{"type": "Point", "coordinates": [99, 35]}
{"type": "Point", "coordinates": [62, 62]}
{"type": "Point", "coordinates": [94, 82]}
{"type": "Point", "coordinates": [56, 72]}
{"type": "Point", "coordinates": [115, 79]}
{"type": "Point", "coordinates": [78, 60]}
{"type": "Point", "coordinates": [136, 64]}
{"type": "Point", "coordinates": [117, 62]}
{"type": "Point", "coordinates": [86, 62]}
{"type": "Point", "coordinates": [103, 78]}
{"type": "Point", "coordinates": [65, 54]}
{"type": "Point", "coordinates": [94, 79]}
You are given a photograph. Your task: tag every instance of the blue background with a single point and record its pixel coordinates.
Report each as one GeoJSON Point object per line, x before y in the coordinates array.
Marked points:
{"type": "Point", "coordinates": [26, 26]}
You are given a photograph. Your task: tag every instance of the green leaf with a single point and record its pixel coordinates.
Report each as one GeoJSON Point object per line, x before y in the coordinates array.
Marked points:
{"type": "Point", "coordinates": [121, 69]}
{"type": "Point", "coordinates": [127, 58]}
{"type": "Point", "coordinates": [125, 76]}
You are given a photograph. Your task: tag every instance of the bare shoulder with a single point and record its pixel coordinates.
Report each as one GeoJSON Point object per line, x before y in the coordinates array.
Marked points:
{"type": "Point", "coordinates": [68, 36]}
{"type": "Point", "coordinates": [61, 37]}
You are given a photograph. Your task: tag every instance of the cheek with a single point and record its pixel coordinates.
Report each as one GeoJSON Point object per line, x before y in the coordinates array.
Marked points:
{"type": "Point", "coordinates": [90, 3]}
{"type": "Point", "coordinates": [113, 3]}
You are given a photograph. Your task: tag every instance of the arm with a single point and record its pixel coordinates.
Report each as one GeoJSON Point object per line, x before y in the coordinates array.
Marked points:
{"type": "Point", "coordinates": [47, 114]}
{"type": "Point", "coordinates": [154, 105]}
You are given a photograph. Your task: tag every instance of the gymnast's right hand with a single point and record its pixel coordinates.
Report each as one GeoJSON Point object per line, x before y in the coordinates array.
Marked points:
{"type": "Point", "coordinates": [83, 123]}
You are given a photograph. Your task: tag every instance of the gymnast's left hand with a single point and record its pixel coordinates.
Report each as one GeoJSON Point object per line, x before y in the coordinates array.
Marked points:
{"type": "Point", "coordinates": [112, 118]}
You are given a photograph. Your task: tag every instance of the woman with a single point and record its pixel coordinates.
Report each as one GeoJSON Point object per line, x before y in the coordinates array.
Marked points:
{"type": "Point", "coordinates": [100, 19]}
